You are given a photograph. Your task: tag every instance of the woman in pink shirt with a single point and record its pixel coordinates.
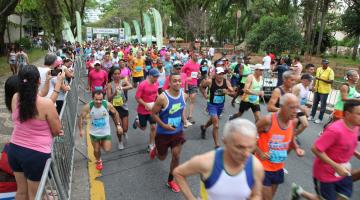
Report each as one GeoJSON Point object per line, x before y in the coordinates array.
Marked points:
{"type": "Point", "coordinates": [36, 121]}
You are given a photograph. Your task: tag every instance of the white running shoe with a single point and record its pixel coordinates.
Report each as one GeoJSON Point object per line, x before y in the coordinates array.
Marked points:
{"type": "Point", "coordinates": [318, 121]}
{"type": "Point", "coordinates": [310, 118]}
{"type": "Point", "coordinates": [187, 124]}
{"type": "Point", "coordinates": [286, 171]}
{"type": "Point", "coordinates": [121, 145]}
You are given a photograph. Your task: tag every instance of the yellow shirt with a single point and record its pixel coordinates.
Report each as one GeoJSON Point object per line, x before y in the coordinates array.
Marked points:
{"type": "Point", "coordinates": [327, 74]}
{"type": "Point", "coordinates": [138, 67]}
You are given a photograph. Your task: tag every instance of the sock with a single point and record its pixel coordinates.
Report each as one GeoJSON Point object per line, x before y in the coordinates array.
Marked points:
{"type": "Point", "coordinates": [171, 177]}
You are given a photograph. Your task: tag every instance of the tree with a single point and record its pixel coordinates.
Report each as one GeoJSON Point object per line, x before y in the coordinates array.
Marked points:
{"type": "Point", "coordinates": [195, 21]}
{"type": "Point", "coordinates": [276, 34]}
{"type": "Point", "coordinates": [7, 7]}
{"type": "Point", "coordinates": [351, 25]}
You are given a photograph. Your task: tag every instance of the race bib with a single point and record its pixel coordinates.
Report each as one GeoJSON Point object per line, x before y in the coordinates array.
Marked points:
{"type": "Point", "coordinates": [161, 83]}
{"type": "Point", "coordinates": [148, 67]}
{"type": "Point", "coordinates": [204, 69]}
{"type": "Point", "coordinates": [98, 88]}
{"type": "Point", "coordinates": [303, 101]}
{"type": "Point", "coordinates": [194, 74]}
{"type": "Point", "coordinates": [219, 99]}
{"type": "Point", "coordinates": [138, 68]}
{"type": "Point", "coordinates": [118, 100]}
{"type": "Point", "coordinates": [99, 123]}
{"type": "Point", "coordinates": [174, 121]}
{"type": "Point", "coordinates": [253, 98]}
{"type": "Point", "coordinates": [278, 156]}
{"type": "Point", "coordinates": [150, 104]}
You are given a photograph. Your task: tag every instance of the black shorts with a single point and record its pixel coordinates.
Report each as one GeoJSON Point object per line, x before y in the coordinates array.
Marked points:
{"type": "Point", "coordinates": [240, 88]}
{"type": "Point", "coordinates": [160, 90]}
{"type": "Point", "coordinates": [28, 161]}
{"type": "Point", "coordinates": [122, 112]}
{"type": "Point", "coordinates": [244, 106]}
{"type": "Point", "coordinates": [273, 178]}
{"type": "Point", "coordinates": [330, 191]}
{"type": "Point", "coordinates": [138, 79]}
{"type": "Point", "coordinates": [143, 119]}
{"type": "Point", "coordinates": [192, 89]}
{"type": "Point", "coordinates": [300, 114]}
{"type": "Point", "coordinates": [164, 141]}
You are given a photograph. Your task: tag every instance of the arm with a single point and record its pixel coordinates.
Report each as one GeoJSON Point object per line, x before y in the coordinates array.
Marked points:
{"type": "Point", "coordinates": [296, 90]}
{"type": "Point", "coordinates": [203, 87]}
{"type": "Point", "coordinates": [159, 104]}
{"type": "Point", "coordinates": [84, 112]}
{"type": "Point", "coordinates": [258, 172]}
{"type": "Point", "coordinates": [262, 126]}
{"type": "Point", "coordinates": [52, 117]}
{"type": "Point", "coordinates": [116, 118]}
{"type": "Point", "coordinates": [44, 91]}
{"type": "Point", "coordinates": [275, 95]}
{"type": "Point", "coordinates": [109, 93]}
{"type": "Point", "coordinates": [344, 93]}
{"type": "Point", "coordinates": [59, 81]}
{"type": "Point", "coordinates": [230, 90]}
{"type": "Point", "coordinates": [127, 85]}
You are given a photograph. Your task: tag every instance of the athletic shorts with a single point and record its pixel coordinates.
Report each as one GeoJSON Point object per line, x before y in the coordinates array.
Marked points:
{"type": "Point", "coordinates": [273, 178]}
{"type": "Point", "coordinates": [28, 161]}
{"type": "Point", "coordinates": [300, 114]}
{"type": "Point", "coordinates": [240, 88]}
{"type": "Point", "coordinates": [143, 119]}
{"type": "Point", "coordinates": [214, 109]}
{"type": "Point", "coordinates": [330, 191]}
{"type": "Point", "coordinates": [192, 89]}
{"type": "Point", "coordinates": [138, 79]}
{"type": "Point", "coordinates": [122, 112]}
{"type": "Point", "coordinates": [164, 141]}
{"type": "Point", "coordinates": [244, 106]}
{"type": "Point", "coordinates": [99, 138]}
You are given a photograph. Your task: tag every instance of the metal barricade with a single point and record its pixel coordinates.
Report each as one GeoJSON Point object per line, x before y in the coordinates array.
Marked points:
{"type": "Point", "coordinates": [57, 176]}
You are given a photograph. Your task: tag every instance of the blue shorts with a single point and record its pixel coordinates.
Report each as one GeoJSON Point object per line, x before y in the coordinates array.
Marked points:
{"type": "Point", "coordinates": [235, 82]}
{"type": "Point", "coordinates": [215, 110]}
{"type": "Point", "coordinates": [273, 178]}
{"type": "Point", "coordinates": [26, 160]}
{"type": "Point", "coordinates": [330, 191]}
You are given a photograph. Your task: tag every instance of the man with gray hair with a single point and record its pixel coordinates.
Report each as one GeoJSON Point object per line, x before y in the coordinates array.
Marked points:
{"type": "Point", "coordinates": [276, 138]}
{"type": "Point", "coordinates": [231, 172]}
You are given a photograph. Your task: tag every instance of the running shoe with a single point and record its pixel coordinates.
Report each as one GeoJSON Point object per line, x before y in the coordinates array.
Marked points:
{"type": "Point", "coordinates": [310, 118]}
{"type": "Point", "coordinates": [99, 165]}
{"type": "Point", "coordinates": [190, 119]}
{"type": "Point", "coordinates": [203, 132]}
{"type": "Point", "coordinates": [173, 186]}
{"type": "Point", "coordinates": [216, 147]}
{"type": "Point", "coordinates": [296, 191]}
{"type": "Point", "coordinates": [152, 153]}
{"type": "Point", "coordinates": [231, 117]}
{"type": "Point", "coordinates": [121, 145]}
{"type": "Point", "coordinates": [286, 171]}
{"type": "Point", "coordinates": [318, 121]}
{"type": "Point", "coordinates": [187, 124]}
{"type": "Point", "coordinates": [134, 124]}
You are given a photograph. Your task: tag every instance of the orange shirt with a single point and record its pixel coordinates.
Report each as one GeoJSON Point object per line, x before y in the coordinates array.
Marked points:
{"type": "Point", "coordinates": [276, 142]}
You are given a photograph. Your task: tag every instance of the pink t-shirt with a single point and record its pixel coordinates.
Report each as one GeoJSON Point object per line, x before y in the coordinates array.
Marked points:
{"type": "Point", "coordinates": [183, 81]}
{"type": "Point", "coordinates": [191, 69]}
{"type": "Point", "coordinates": [148, 93]}
{"type": "Point", "coordinates": [125, 72]}
{"type": "Point", "coordinates": [34, 134]}
{"type": "Point", "coordinates": [339, 143]}
{"type": "Point", "coordinates": [98, 78]}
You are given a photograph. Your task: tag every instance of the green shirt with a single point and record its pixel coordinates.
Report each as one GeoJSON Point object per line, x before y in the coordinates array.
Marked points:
{"type": "Point", "coordinates": [246, 71]}
{"type": "Point", "coordinates": [351, 94]}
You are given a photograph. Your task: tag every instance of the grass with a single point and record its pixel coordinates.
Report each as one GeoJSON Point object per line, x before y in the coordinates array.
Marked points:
{"type": "Point", "coordinates": [34, 55]}
{"type": "Point", "coordinates": [345, 61]}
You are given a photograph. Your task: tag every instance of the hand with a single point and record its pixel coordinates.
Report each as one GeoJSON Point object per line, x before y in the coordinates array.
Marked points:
{"type": "Point", "coordinates": [263, 155]}
{"type": "Point", "coordinates": [342, 171]}
{"type": "Point", "coordinates": [67, 88]}
{"type": "Point", "coordinates": [147, 107]}
{"type": "Point", "coordinates": [81, 133]}
{"type": "Point", "coordinates": [119, 130]}
{"type": "Point", "coordinates": [300, 152]}
{"type": "Point", "coordinates": [169, 127]}
{"type": "Point", "coordinates": [61, 133]}
{"type": "Point", "coordinates": [48, 75]}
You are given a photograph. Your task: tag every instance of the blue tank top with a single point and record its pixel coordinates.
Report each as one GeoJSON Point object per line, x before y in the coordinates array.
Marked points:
{"type": "Point", "coordinates": [172, 113]}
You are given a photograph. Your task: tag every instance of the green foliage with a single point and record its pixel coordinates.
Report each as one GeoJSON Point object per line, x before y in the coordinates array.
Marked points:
{"type": "Point", "coordinates": [328, 40]}
{"type": "Point", "coordinates": [276, 34]}
{"type": "Point", "coordinates": [24, 42]}
{"type": "Point", "coordinates": [346, 42]}
{"type": "Point", "coordinates": [351, 22]}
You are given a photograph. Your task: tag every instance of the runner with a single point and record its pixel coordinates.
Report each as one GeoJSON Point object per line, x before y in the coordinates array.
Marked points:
{"type": "Point", "coordinates": [276, 137]}
{"type": "Point", "coordinates": [116, 95]}
{"type": "Point", "coordinates": [137, 66]}
{"type": "Point", "coordinates": [334, 150]}
{"type": "Point", "coordinates": [12, 60]}
{"type": "Point", "coordinates": [192, 69]}
{"type": "Point", "coordinates": [162, 75]}
{"type": "Point", "coordinates": [97, 78]}
{"type": "Point", "coordinates": [167, 112]}
{"type": "Point", "coordinates": [227, 173]}
{"type": "Point", "coordinates": [168, 64]}
{"type": "Point", "coordinates": [146, 95]}
{"type": "Point", "coordinates": [235, 72]}
{"type": "Point", "coordinates": [100, 132]}
{"type": "Point", "coordinates": [218, 87]}
{"type": "Point", "coordinates": [22, 58]}
{"type": "Point", "coordinates": [252, 91]}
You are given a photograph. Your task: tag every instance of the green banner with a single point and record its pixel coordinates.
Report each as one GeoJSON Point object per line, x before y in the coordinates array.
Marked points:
{"type": "Point", "coordinates": [158, 27]}
{"type": "Point", "coordinates": [127, 32]}
{"type": "Point", "coordinates": [78, 28]}
{"type": "Point", "coordinates": [137, 30]}
{"type": "Point", "coordinates": [66, 32]}
{"type": "Point", "coordinates": [148, 31]}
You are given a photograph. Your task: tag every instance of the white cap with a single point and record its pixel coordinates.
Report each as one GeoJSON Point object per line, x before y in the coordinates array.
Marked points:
{"type": "Point", "coordinates": [97, 62]}
{"type": "Point", "coordinates": [219, 70]}
{"type": "Point", "coordinates": [259, 66]}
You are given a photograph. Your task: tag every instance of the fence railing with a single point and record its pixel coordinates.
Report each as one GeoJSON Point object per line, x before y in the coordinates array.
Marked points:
{"type": "Point", "coordinates": [57, 176]}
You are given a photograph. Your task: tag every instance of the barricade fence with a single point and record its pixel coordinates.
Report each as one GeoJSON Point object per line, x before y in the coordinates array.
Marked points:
{"type": "Point", "coordinates": [58, 173]}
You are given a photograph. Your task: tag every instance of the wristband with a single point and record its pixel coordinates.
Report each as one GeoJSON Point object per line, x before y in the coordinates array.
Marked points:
{"type": "Point", "coordinates": [56, 91]}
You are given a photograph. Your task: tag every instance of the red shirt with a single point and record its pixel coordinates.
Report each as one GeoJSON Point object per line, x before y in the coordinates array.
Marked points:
{"type": "Point", "coordinates": [191, 69]}
{"type": "Point", "coordinates": [97, 79]}
{"type": "Point", "coordinates": [148, 93]}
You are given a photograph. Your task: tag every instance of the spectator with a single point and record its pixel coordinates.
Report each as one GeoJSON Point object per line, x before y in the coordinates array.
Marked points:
{"type": "Point", "coordinates": [12, 60]}
{"type": "Point", "coordinates": [267, 61]}
{"type": "Point", "coordinates": [35, 122]}
{"type": "Point", "coordinates": [21, 58]}
{"type": "Point", "coordinates": [280, 69]}
{"type": "Point", "coordinates": [323, 79]}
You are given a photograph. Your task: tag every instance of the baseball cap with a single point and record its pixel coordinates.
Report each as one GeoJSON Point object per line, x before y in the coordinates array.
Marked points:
{"type": "Point", "coordinates": [259, 66]}
{"type": "Point", "coordinates": [97, 63]}
{"type": "Point", "coordinates": [154, 72]}
{"type": "Point", "coordinates": [177, 64]}
{"type": "Point", "coordinates": [58, 61]}
{"type": "Point", "coordinates": [219, 70]}
{"type": "Point", "coordinates": [325, 61]}
{"type": "Point", "coordinates": [220, 62]}
{"type": "Point", "coordinates": [306, 77]}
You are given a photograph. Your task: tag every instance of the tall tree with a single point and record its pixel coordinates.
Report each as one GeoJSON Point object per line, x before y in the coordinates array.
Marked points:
{"type": "Point", "coordinates": [7, 7]}
{"type": "Point", "coordinates": [324, 12]}
{"type": "Point", "coordinates": [351, 24]}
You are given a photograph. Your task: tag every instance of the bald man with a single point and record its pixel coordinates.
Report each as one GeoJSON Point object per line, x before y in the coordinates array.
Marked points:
{"type": "Point", "coordinates": [244, 174]}
{"type": "Point", "coordinates": [276, 138]}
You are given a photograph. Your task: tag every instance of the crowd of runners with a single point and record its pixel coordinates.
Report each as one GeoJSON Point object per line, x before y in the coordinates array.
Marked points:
{"type": "Point", "coordinates": [168, 81]}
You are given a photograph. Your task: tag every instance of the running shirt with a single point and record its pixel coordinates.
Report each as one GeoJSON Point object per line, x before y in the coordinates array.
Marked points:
{"type": "Point", "coordinates": [256, 87]}
{"type": "Point", "coordinates": [216, 93]}
{"type": "Point", "coordinates": [276, 142]}
{"type": "Point", "coordinates": [172, 113]}
{"type": "Point", "coordinates": [162, 78]}
{"type": "Point", "coordinates": [282, 92]}
{"type": "Point", "coordinates": [245, 73]}
{"type": "Point", "coordinates": [351, 94]}
{"type": "Point", "coordinates": [168, 66]}
{"type": "Point", "coordinates": [99, 120]}
{"type": "Point", "coordinates": [138, 67]}
{"type": "Point", "coordinates": [191, 69]}
{"type": "Point", "coordinates": [148, 93]}
{"type": "Point", "coordinates": [12, 57]}
{"type": "Point", "coordinates": [303, 93]}
{"type": "Point", "coordinates": [119, 100]}
{"type": "Point", "coordinates": [183, 81]}
{"type": "Point", "coordinates": [98, 79]}
{"type": "Point", "coordinates": [221, 185]}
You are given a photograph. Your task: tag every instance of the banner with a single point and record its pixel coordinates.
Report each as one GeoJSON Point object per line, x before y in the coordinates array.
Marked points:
{"type": "Point", "coordinates": [148, 31]}
{"type": "Point", "coordinates": [158, 27]}
{"type": "Point", "coordinates": [78, 28]}
{"type": "Point", "coordinates": [127, 32]}
{"type": "Point", "coordinates": [137, 30]}
{"type": "Point", "coordinates": [66, 33]}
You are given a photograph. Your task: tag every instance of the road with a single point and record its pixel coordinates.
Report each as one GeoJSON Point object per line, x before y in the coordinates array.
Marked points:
{"type": "Point", "coordinates": [130, 174]}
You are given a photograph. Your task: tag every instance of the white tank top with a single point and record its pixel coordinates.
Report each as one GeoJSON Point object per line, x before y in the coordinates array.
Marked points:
{"type": "Point", "coordinates": [304, 94]}
{"type": "Point", "coordinates": [162, 78]}
{"type": "Point", "coordinates": [99, 120]}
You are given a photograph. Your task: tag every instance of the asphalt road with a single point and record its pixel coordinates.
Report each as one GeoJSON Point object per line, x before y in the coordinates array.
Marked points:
{"type": "Point", "coordinates": [130, 174]}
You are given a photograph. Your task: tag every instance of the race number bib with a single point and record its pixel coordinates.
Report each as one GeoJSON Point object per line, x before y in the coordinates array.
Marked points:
{"type": "Point", "coordinates": [194, 74]}
{"type": "Point", "coordinates": [150, 104]}
{"type": "Point", "coordinates": [253, 98]}
{"type": "Point", "coordinates": [98, 88]}
{"type": "Point", "coordinates": [174, 121]}
{"type": "Point", "coordinates": [219, 99]}
{"type": "Point", "coordinates": [99, 123]}
{"type": "Point", "coordinates": [161, 83]}
{"type": "Point", "coordinates": [118, 100]}
{"type": "Point", "coordinates": [278, 156]}
{"type": "Point", "coordinates": [303, 101]}
{"type": "Point", "coordinates": [138, 68]}
{"type": "Point", "coordinates": [204, 69]}
{"type": "Point", "coordinates": [148, 67]}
